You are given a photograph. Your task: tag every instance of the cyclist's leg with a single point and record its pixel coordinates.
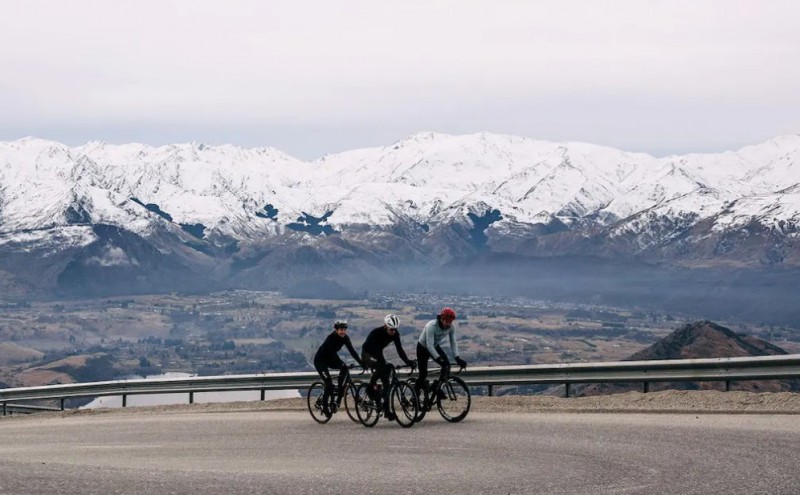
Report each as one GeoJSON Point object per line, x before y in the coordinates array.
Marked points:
{"type": "Point", "coordinates": [422, 367]}
{"type": "Point", "coordinates": [383, 373]}
{"type": "Point", "coordinates": [370, 362]}
{"type": "Point", "coordinates": [343, 372]}
{"type": "Point", "coordinates": [443, 374]}
{"type": "Point", "coordinates": [322, 369]}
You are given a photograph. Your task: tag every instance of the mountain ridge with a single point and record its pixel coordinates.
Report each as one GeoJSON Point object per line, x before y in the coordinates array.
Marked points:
{"type": "Point", "coordinates": [260, 218]}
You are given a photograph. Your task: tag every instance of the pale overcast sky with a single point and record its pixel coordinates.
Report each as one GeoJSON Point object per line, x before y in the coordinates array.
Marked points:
{"type": "Point", "coordinates": [316, 77]}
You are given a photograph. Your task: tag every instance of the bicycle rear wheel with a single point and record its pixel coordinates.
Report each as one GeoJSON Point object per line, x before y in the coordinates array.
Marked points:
{"type": "Point", "coordinates": [455, 401]}
{"type": "Point", "coordinates": [366, 408]}
{"type": "Point", "coordinates": [422, 408]}
{"type": "Point", "coordinates": [315, 403]}
{"type": "Point", "coordinates": [404, 404]}
{"type": "Point", "coordinates": [351, 400]}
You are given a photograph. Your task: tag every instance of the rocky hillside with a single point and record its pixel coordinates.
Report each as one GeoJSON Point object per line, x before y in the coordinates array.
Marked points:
{"type": "Point", "coordinates": [702, 339]}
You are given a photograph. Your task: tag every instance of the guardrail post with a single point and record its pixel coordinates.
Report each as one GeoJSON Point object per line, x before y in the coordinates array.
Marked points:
{"type": "Point", "coordinates": [566, 390]}
{"type": "Point", "coordinates": [646, 387]}
{"type": "Point", "coordinates": [263, 393]}
{"type": "Point", "coordinates": [62, 403]}
{"type": "Point", "coordinates": [124, 400]}
{"type": "Point", "coordinates": [491, 390]}
{"type": "Point", "coordinates": [191, 397]}
{"type": "Point", "coordinates": [4, 408]}
{"type": "Point", "coordinates": [727, 385]}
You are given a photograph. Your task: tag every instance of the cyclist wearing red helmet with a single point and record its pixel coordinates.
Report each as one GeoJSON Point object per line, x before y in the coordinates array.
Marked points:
{"type": "Point", "coordinates": [428, 344]}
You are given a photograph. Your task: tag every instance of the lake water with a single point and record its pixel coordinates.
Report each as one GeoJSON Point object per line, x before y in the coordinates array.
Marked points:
{"type": "Point", "coordinates": [183, 398]}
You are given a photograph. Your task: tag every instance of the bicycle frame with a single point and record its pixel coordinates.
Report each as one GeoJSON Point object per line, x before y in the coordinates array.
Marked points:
{"type": "Point", "coordinates": [399, 397]}
{"type": "Point", "coordinates": [436, 385]}
{"type": "Point", "coordinates": [450, 395]}
{"type": "Point", "coordinates": [335, 397]}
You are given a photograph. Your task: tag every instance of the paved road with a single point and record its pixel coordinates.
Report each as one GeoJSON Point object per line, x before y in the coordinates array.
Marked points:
{"type": "Point", "coordinates": [285, 452]}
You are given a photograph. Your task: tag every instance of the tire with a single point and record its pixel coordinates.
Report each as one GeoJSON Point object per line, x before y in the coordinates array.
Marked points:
{"type": "Point", "coordinates": [404, 404]}
{"type": "Point", "coordinates": [455, 403]}
{"type": "Point", "coordinates": [421, 405]}
{"type": "Point", "coordinates": [422, 410]}
{"type": "Point", "coordinates": [314, 399]}
{"type": "Point", "coordinates": [366, 409]}
{"type": "Point", "coordinates": [351, 400]}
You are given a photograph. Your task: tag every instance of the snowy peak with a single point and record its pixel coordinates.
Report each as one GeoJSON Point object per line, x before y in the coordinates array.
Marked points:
{"type": "Point", "coordinates": [487, 185]}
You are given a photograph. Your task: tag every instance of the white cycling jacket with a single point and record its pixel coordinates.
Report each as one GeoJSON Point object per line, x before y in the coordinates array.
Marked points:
{"type": "Point", "coordinates": [432, 334]}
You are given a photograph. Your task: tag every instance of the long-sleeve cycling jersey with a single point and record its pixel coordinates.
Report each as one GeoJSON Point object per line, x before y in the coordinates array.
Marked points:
{"type": "Point", "coordinates": [380, 338]}
{"type": "Point", "coordinates": [432, 334]}
{"type": "Point", "coordinates": [331, 347]}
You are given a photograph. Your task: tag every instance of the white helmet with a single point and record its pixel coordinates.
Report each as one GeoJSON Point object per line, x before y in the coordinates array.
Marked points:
{"type": "Point", "coordinates": [392, 321]}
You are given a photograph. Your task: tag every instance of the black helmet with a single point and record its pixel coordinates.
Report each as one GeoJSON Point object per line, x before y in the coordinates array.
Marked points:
{"type": "Point", "coordinates": [340, 324]}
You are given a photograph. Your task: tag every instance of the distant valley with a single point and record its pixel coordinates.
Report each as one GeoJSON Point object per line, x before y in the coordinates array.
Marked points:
{"type": "Point", "coordinates": [253, 332]}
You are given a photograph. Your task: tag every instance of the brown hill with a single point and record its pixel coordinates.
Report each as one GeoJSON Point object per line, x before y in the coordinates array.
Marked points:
{"type": "Point", "coordinates": [702, 339]}
{"type": "Point", "coordinates": [705, 339]}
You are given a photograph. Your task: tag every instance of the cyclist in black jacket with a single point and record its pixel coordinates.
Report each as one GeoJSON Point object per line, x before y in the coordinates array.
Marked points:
{"type": "Point", "coordinates": [327, 356]}
{"type": "Point", "coordinates": [372, 355]}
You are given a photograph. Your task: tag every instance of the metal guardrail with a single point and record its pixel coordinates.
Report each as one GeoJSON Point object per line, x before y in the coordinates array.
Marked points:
{"type": "Point", "coordinates": [190, 385]}
{"type": "Point", "coordinates": [645, 372]}
{"type": "Point", "coordinates": [25, 408]}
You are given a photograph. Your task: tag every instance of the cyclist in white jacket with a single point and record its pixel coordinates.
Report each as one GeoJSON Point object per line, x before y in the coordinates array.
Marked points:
{"type": "Point", "coordinates": [428, 345]}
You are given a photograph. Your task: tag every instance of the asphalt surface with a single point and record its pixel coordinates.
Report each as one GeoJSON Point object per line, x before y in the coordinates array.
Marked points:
{"type": "Point", "coordinates": [498, 453]}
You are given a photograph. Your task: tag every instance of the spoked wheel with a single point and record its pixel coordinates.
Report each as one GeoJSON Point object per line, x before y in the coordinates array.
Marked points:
{"type": "Point", "coordinates": [422, 408]}
{"type": "Point", "coordinates": [366, 408]}
{"type": "Point", "coordinates": [404, 404]}
{"type": "Point", "coordinates": [455, 399]}
{"type": "Point", "coordinates": [351, 400]}
{"type": "Point", "coordinates": [315, 403]}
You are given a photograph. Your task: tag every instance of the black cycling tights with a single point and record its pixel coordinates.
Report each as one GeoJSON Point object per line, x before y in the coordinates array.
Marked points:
{"type": "Point", "coordinates": [423, 355]}
{"type": "Point", "coordinates": [381, 370]}
{"type": "Point", "coordinates": [422, 363]}
{"type": "Point", "coordinates": [322, 368]}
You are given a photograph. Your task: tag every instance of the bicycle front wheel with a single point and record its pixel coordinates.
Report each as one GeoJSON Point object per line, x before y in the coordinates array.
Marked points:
{"type": "Point", "coordinates": [422, 408]}
{"type": "Point", "coordinates": [404, 404]}
{"type": "Point", "coordinates": [316, 404]}
{"type": "Point", "coordinates": [455, 400]}
{"type": "Point", "coordinates": [351, 400]}
{"type": "Point", "coordinates": [366, 408]}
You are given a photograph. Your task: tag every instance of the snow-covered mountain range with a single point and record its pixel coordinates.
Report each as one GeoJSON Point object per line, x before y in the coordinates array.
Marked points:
{"type": "Point", "coordinates": [102, 213]}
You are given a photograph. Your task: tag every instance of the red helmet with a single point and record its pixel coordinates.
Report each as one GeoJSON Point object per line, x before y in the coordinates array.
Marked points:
{"type": "Point", "coordinates": [447, 313]}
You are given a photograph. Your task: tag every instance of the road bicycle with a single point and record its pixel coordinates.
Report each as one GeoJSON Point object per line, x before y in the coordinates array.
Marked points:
{"type": "Point", "coordinates": [402, 401]}
{"type": "Point", "coordinates": [448, 393]}
{"type": "Point", "coordinates": [316, 399]}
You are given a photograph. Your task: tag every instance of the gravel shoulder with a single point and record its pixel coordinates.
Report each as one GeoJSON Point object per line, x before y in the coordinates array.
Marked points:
{"type": "Point", "coordinates": [670, 401]}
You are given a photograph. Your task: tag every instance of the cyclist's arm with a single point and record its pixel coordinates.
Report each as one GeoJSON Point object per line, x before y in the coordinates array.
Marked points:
{"type": "Point", "coordinates": [399, 346]}
{"type": "Point", "coordinates": [352, 351]}
{"type": "Point", "coordinates": [441, 353]}
{"type": "Point", "coordinates": [453, 344]}
{"type": "Point", "coordinates": [430, 339]}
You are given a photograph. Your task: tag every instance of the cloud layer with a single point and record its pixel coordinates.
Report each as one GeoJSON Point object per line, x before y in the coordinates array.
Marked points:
{"type": "Point", "coordinates": [312, 77]}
